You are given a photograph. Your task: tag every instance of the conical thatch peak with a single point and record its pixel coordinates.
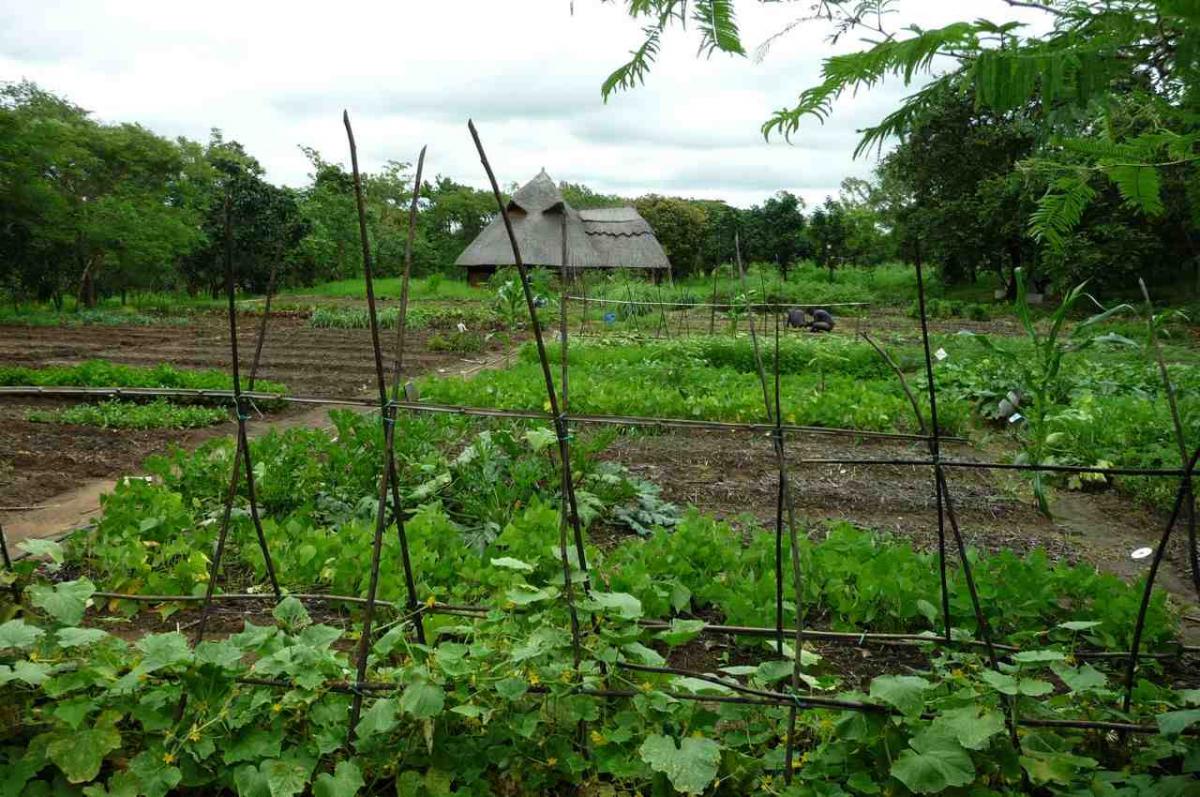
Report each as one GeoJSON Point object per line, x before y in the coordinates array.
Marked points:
{"type": "Point", "coordinates": [538, 195]}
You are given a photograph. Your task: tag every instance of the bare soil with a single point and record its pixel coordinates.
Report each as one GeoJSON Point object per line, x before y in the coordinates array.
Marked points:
{"type": "Point", "coordinates": [734, 477]}
{"type": "Point", "coordinates": [39, 461]}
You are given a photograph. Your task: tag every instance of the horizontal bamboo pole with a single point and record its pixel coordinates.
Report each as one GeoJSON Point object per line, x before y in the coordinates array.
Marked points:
{"type": "Point", "coordinates": [478, 612]}
{"type": "Point", "coordinates": [718, 305]}
{"type": "Point", "coordinates": [454, 409]}
{"type": "Point", "coordinates": [747, 696]}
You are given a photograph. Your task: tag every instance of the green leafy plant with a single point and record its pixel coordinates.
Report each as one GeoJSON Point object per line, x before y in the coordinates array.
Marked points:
{"type": "Point", "coordinates": [1042, 373]}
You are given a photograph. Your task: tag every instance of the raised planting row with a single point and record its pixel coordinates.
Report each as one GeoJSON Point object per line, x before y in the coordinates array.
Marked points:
{"type": "Point", "coordinates": [419, 317]}
{"type": "Point", "coordinates": [160, 413]}
{"type": "Point", "coordinates": [102, 373]}
{"type": "Point", "coordinates": [493, 704]}
{"type": "Point", "coordinates": [156, 414]}
{"type": "Point", "coordinates": [1104, 406]}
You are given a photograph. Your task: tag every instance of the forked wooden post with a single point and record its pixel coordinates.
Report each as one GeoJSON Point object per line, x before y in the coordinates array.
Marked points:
{"type": "Point", "coordinates": [556, 411]}
{"type": "Point", "coordinates": [387, 476]}
{"type": "Point", "coordinates": [784, 502]}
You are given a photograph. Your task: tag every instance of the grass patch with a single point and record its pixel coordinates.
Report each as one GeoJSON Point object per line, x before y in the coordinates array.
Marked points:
{"type": "Point", "coordinates": [157, 414]}
{"type": "Point", "coordinates": [431, 287]}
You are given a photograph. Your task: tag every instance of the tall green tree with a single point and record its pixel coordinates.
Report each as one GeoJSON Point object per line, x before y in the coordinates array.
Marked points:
{"type": "Point", "coordinates": [773, 232]}
{"type": "Point", "coordinates": [84, 202]}
{"type": "Point", "coordinates": [679, 226]}
{"type": "Point", "coordinates": [265, 222]}
{"type": "Point", "coordinates": [1113, 85]}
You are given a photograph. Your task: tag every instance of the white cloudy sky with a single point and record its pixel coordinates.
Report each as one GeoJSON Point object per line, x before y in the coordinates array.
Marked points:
{"type": "Point", "coordinates": [275, 75]}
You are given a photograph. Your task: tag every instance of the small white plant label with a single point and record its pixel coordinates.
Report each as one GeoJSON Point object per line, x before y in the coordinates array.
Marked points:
{"type": "Point", "coordinates": [941, 354]}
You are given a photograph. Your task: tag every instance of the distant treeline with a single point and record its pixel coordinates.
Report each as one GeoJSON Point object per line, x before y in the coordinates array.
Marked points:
{"type": "Point", "coordinates": [90, 209]}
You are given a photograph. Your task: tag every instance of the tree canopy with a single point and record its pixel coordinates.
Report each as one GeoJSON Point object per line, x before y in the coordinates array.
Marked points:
{"type": "Point", "coordinates": [1077, 139]}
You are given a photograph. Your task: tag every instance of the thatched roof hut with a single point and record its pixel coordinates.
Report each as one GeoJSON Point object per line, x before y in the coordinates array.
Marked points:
{"type": "Point", "coordinates": [596, 239]}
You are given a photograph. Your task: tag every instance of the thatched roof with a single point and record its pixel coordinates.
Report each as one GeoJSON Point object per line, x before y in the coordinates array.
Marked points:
{"type": "Point", "coordinates": [601, 238]}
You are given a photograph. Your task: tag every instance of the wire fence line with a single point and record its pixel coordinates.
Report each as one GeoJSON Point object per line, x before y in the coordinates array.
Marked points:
{"type": "Point", "coordinates": [571, 528]}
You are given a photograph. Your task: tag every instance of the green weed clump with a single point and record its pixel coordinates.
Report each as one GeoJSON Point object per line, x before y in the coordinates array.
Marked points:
{"type": "Point", "coordinates": [157, 414]}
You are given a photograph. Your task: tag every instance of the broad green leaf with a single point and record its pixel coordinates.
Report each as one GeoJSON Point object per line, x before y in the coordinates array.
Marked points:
{"type": "Point", "coordinates": [1054, 767]}
{"type": "Point", "coordinates": [48, 548]}
{"type": "Point", "coordinates": [512, 564]}
{"type": "Point", "coordinates": [1171, 723]}
{"type": "Point", "coordinates": [1038, 656]}
{"type": "Point", "coordinates": [64, 602]}
{"type": "Point", "coordinates": [121, 784]}
{"type": "Point", "coordinates": [16, 635]}
{"type": "Point", "coordinates": [698, 686]}
{"type": "Point", "coordinates": [1012, 685]}
{"type": "Point", "coordinates": [541, 438]}
{"type": "Point", "coordinates": [771, 671]}
{"type": "Point", "coordinates": [74, 712]}
{"type": "Point", "coordinates": [80, 754]}
{"type": "Point", "coordinates": [72, 637]}
{"type": "Point", "coordinates": [620, 603]}
{"type": "Point", "coordinates": [423, 700]}
{"type": "Point", "coordinates": [1079, 625]}
{"type": "Point", "coordinates": [379, 718]}
{"type": "Point", "coordinates": [935, 764]}
{"type": "Point", "coordinates": [163, 650]}
{"type": "Point", "coordinates": [253, 745]}
{"type": "Point", "coordinates": [905, 692]}
{"type": "Point", "coordinates": [681, 631]}
{"type": "Point", "coordinates": [223, 654]}
{"type": "Point", "coordinates": [284, 778]}
{"type": "Point", "coordinates": [523, 594]}
{"type": "Point", "coordinates": [927, 610]}
{"type": "Point", "coordinates": [642, 654]}
{"type": "Point", "coordinates": [291, 614]}
{"type": "Point", "coordinates": [1080, 679]}
{"type": "Point", "coordinates": [31, 672]}
{"type": "Point", "coordinates": [690, 767]}
{"type": "Point", "coordinates": [345, 781]}
{"type": "Point", "coordinates": [511, 688]}
{"type": "Point", "coordinates": [969, 727]}
{"type": "Point", "coordinates": [155, 775]}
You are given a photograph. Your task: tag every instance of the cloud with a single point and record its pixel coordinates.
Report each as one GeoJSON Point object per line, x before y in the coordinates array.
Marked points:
{"type": "Point", "coordinates": [529, 73]}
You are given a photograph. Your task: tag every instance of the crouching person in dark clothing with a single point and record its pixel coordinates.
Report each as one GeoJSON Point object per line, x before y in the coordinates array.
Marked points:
{"type": "Point", "coordinates": [822, 321]}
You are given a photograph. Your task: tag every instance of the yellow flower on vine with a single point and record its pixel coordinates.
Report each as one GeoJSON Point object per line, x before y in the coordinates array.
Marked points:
{"type": "Point", "coordinates": [168, 758]}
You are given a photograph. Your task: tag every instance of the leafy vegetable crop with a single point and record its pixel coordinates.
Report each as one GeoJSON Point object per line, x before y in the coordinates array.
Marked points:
{"type": "Point", "coordinates": [157, 414]}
